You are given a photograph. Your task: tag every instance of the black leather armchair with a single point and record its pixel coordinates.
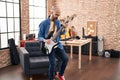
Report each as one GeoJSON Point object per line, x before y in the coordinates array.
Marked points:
{"type": "Point", "coordinates": [32, 60]}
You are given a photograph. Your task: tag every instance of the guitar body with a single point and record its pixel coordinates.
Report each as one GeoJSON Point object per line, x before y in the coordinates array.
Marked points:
{"type": "Point", "coordinates": [50, 46]}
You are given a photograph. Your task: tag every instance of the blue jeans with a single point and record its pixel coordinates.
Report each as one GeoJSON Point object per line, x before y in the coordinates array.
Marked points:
{"type": "Point", "coordinates": [62, 57]}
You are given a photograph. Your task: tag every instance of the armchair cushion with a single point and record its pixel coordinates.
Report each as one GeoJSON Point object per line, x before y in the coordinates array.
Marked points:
{"type": "Point", "coordinates": [36, 53]}
{"type": "Point", "coordinates": [39, 62]}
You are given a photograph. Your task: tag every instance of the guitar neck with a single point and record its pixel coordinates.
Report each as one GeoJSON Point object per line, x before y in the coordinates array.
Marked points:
{"type": "Point", "coordinates": [57, 34]}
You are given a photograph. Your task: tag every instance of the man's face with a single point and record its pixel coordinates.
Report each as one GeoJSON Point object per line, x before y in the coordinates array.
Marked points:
{"type": "Point", "coordinates": [55, 14]}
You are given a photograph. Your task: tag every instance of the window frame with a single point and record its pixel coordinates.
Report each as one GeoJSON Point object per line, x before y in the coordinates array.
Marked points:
{"type": "Point", "coordinates": [34, 19]}
{"type": "Point", "coordinates": [16, 31]}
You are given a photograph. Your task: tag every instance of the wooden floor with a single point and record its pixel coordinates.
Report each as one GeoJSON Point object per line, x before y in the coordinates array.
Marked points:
{"type": "Point", "coordinates": [99, 68]}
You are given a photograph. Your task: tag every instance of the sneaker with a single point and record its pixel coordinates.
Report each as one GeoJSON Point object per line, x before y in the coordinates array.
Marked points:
{"type": "Point", "coordinates": [60, 77]}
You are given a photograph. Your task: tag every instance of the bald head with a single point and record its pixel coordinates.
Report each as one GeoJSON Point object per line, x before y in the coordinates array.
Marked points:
{"type": "Point", "coordinates": [55, 9]}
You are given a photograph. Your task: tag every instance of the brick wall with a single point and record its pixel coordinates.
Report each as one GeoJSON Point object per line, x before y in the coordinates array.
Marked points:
{"type": "Point", "coordinates": [105, 12]}
{"type": "Point", "coordinates": [4, 58]}
{"type": "Point", "coordinates": [24, 17]}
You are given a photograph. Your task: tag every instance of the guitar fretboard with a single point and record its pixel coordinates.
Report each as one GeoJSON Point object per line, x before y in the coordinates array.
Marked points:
{"type": "Point", "coordinates": [57, 34]}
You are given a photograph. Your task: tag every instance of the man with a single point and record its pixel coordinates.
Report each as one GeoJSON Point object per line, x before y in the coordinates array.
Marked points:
{"type": "Point", "coordinates": [45, 27]}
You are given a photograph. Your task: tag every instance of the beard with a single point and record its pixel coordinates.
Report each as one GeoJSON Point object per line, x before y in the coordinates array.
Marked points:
{"type": "Point", "coordinates": [53, 18]}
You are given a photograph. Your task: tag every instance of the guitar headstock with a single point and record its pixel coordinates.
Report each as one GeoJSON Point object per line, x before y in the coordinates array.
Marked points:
{"type": "Point", "coordinates": [68, 19]}
{"type": "Point", "coordinates": [73, 16]}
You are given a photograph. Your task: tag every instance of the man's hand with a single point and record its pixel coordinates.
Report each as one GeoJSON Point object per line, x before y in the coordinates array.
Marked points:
{"type": "Point", "coordinates": [47, 41]}
{"type": "Point", "coordinates": [65, 25]}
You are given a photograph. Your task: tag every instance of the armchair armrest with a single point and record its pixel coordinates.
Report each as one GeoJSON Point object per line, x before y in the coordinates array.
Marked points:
{"type": "Point", "coordinates": [24, 59]}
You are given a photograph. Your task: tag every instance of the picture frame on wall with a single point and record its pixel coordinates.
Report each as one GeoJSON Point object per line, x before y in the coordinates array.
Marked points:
{"type": "Point", "coordinates": [92, 28]}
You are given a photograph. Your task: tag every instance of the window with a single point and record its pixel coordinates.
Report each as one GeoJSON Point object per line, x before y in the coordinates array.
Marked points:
{"type": "Point", "coordinates": [9, 22]}
{"type": "Point", "coordinates": [37, 13]}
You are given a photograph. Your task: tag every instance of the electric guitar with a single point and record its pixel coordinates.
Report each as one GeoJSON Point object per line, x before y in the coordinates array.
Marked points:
{"type": "Point", "coordinates": [53, 43]}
